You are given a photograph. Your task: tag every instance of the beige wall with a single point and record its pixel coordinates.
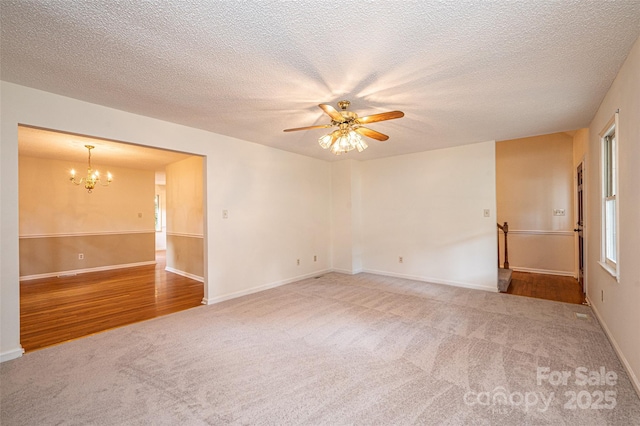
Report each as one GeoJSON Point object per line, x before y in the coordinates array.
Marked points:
{"type": "Point", "coordinates": [534, 176]}
{"type": "Point", "coordinates": [58, 220]}
{"type": "Point", "coordinates": [185, 255]}
{"type": "Point", "coordinates": [580, 145]}
{"type": "Point", "coordinates": [51, 205]}
{"type": "Point", "coordinates": [45, 256]}
{"type": "Point", "coordinates": [617, 302]}
{"type": "Point", "coordinates": [185, 217]}
{"type": "Point", "coordinates": [184, 196]}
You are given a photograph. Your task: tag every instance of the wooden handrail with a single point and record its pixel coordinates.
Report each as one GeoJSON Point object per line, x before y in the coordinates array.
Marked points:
{"type": "Point", "coordinates": [505, 229]}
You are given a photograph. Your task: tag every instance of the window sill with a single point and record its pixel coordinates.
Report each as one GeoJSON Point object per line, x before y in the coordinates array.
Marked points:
{"type": "Point", "coordinates": [611, 270]}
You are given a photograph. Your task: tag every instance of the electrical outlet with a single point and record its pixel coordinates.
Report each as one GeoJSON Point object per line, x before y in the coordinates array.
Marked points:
{"type": "Point", "coordinates": [298, 262]}
{"type": "Point", "coordinates": [558, 212]}
{"type": "Point", "coordinates": [400, 259]}
{"type": "Point", "coordinates": [315, 258]}
{"type": "Point", "coordinates": [80, 256]}
{"type": "Point", "coordinates": [225, 214]}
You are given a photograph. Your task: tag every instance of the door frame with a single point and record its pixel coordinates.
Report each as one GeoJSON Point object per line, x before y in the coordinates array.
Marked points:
{"type": "Point", "coordinates": [582, 163]}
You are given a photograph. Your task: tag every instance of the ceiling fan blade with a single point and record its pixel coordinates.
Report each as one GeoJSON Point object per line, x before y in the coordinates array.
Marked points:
{"type": "Point", "coordinates": [371, 134]}
{"type": "Point", "coordinates": [322, 126]}
{"type": "Point", "coordinates": [380, 117]}
{"type": "Point", "coordinates": [332, 112]}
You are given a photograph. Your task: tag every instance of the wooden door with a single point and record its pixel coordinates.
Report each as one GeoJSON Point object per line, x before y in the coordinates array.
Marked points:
{"type": "Point", "coordinates": [580, 224]}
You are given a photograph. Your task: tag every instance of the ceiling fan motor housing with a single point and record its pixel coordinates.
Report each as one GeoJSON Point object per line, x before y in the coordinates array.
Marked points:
{"type": "Point", "coordinates": [343, 105]}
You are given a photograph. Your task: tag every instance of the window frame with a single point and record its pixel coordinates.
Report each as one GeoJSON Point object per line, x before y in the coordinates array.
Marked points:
{"type": "Point", "coordinates": [158, 213]}
{"type": "Point", "coordinates": [610, 238]}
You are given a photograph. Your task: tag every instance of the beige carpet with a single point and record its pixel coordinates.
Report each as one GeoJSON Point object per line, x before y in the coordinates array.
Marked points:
{"type": "Point", "coordinates": [339, 349]}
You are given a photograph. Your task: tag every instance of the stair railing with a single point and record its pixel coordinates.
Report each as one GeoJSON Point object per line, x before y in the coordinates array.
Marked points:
{"type": "Point", "coordinates": [505, 230]}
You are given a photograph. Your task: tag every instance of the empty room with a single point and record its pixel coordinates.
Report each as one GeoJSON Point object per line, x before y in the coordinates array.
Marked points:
{"type": "Point", "coordinates": [319, 212]}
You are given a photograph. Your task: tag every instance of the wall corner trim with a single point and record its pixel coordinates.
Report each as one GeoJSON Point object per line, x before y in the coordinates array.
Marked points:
{"type": "Point", "coordinates": [544, 271]}
{"type": "Point", "coordinates": [436, 281]}
{"type": "Point", "coordinates": [346, 271]}
{"type": "Point", "coordinates": [234, 295]}
{"type": "Point", "coordinates": [184, 274]}
{"type": "Point", "coordinates": [85, 270]}
{"type": "Point", "coordinates": [632, 376]}
{"type": "Point", "coordinates": [12, 354]}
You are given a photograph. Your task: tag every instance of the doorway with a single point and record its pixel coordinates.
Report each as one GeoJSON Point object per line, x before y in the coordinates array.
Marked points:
{"type": "Point", "coordinates": [67, 233]}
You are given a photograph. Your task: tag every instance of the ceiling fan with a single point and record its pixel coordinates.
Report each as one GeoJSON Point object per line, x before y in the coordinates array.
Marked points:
{"type": "Point", "coordinates": [349, 132]}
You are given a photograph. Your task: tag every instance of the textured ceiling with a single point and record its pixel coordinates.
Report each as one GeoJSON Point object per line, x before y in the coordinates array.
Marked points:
{"type": "Point", "coordinates": [462, 71]}
{"type": "Point", "coordinates": [42, 143]}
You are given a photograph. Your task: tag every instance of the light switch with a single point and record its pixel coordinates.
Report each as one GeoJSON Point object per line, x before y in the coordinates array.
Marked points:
{"type": "Point", "coordinates": [487, 213]}
{"type": "Point", "coordinates": [225, 214]}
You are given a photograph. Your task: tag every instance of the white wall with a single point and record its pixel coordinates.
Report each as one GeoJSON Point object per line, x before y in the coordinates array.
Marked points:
{"type": "Point", "coordinates": [346, 232]}
{"type": "Point", "coordinates": [428, 208]}
{"type": "Point", "coordinates": [619, 311]}
{"type": "Point", "coordinates": [278, 202]}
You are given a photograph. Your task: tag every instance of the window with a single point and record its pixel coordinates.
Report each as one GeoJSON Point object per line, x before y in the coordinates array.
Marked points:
{"type": "Point", "coordinates": [157, 213]}
{"type": "Point", "coordinates": [609, 255]}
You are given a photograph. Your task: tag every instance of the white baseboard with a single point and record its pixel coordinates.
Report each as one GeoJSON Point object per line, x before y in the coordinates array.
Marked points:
{"type": "Point", "coordinates": [345, 271]}
{"type": "Point", "coordinates": [493, 289]}
{"type": "Point", "coordinates": [234, 295]}
{"type": "Point", "coordinates": [543, 271]}
{"type": "Point", "coordinates": [83, 271]}
{"type": "Point", "coordinates": [13, 354]}
{"type": "Point", "coordinates": [632, 376]}
{"type": "Point", "coordinates": [184, 274]}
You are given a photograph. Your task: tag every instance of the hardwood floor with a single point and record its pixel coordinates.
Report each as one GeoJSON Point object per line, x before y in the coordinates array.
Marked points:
{"type": "Point", "coordinates": [550, 287]}
{"type": "Point", "coordinates": [54, 310]}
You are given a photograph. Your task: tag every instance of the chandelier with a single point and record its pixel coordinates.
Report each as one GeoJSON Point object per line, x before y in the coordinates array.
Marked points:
{"type": "Point", "coordinates": [93, 176]}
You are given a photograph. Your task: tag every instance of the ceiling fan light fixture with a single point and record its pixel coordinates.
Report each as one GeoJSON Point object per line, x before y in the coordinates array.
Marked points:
{"type": "Point", "coordinates": [361, 145]}
{"type": "Point", "coordinates": [350, 130]}
{"type": "Point", "coordinates": [348, 140]}
{"type": "Point", "coordinates": [326, 140]}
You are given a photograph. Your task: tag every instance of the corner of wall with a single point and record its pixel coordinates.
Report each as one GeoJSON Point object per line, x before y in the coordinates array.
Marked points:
{"type": "Point", "coordinates": [12, 354]}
